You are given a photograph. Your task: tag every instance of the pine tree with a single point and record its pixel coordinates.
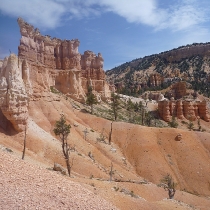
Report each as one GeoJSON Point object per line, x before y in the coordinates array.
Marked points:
{"type": "Point", "coordinates": [62, 130]}
{"type": "Point", "coordinates": [91, 98]}
{"type": "Point", "coordinates": [170, 185]}
{"type": "Point", "coordinates": [115, 105]}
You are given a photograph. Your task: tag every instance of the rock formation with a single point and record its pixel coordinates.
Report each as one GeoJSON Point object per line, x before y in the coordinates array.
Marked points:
{"type": "Point", "coordinates": [92, 66]}
{"type": "Point", "coordinates": [15, 90]}
{"type": "Point", "coordinates": [180, 89]}
{"type": "Point", "coordinates": [189, 109]}
{"type": "Point", "coordinates": [203, 111]}
{"type": "Point", "coordinates": [164, 110]}
{"type": "Point", "coordinates": [43, 63]}
{"type": "Point", "coordinates": [71, 72]}
{"type": "Point", "coordinates": [155, 80]}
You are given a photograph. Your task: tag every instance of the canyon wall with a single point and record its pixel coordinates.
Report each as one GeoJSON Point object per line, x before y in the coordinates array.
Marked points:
{"type": "Point", "coordinates": [72, 72]}
{"type": "Point", "coordinates": [43, 65]}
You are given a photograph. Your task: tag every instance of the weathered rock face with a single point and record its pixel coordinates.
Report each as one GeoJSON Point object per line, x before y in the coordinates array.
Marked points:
{"type": "Point", "coordinates": [43, 62]}
{"type": "Point", "coordinates": [92, 66]}
{"type": "Point", "coordinates": [181, 109]}
{"type": "Point", "coordinates": [203, 111]}
{"type": "Point", "coordinates": [72, 72]}
{"type": "Point", "coordinates": [155, 80]}
{"type": "Point", "coordinates": [180, 89]}
{"type": "Point", "coordinates": [164, 110]}
{"type": "Point", "coordinates": [15, 90]}
{"type": "Point", "coordinates": [70, 83]}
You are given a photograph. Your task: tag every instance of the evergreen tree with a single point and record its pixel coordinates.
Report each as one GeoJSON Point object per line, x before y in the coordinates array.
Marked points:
{"type": "Point", "coordinates": [190, 125]}
{"type": "Point", "coordinates": [115, 105]}
{"type": "Point", "coordinates": [91, 98]}
{"type": "Point", "coordinates": [62, 130]}
{"type": "Point", "coordinates": [170, 185]}
{"type": "Point", "coordinates": [173, 123]}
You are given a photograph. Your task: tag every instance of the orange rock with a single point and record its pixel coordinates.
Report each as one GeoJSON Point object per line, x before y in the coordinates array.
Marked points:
{"type": "Point", "coordinates": [203, 112]}
{"type": "Point", "coordinates": [164, 110]}
{"type": "Point", "coordinates": [155, 79]}
{"type": "Point", "coordinates": [179, 106]}
{"type": "Point", "coordinates": [189, 110]}
{"type": "Point", "coordinates": [56, 54]}
{"type": "Point", "coordinates": [179, 89]}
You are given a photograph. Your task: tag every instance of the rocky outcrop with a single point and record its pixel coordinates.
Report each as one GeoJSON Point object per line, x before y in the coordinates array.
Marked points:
{"type": "Point", "coordinates": [180, 89]}
{"type": "Point", "coordinates": [43, 63]}
{"type": "Point", "coordinates": [71, 72]}
{"type": "Point", "coordinates": [189, 109]}
{"type": "Point", "coordinates": [177, 90]}
{"type": "Point", "coordinates": [164, 110]}
{"type": "Point", "coordinates": [70, 83]}
{"type": "Point", "coordinates": [92, 66]}
{"type": "Point", "coordinates": [203, 111]}
{"type": "Point", "coordinates": [155, 80]}
{"type": "Point", "coordinates": [15, 90]}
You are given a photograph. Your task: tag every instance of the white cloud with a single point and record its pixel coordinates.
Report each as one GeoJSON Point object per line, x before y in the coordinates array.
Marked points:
{"type": "Point", "coordinates": [139, 11]}
{"type": "Point", "coordinates": [184, 15]}
{"type": "Point", "coordinates": [45, 13]}
{"type": "Point", "coordinates": [179, 15]}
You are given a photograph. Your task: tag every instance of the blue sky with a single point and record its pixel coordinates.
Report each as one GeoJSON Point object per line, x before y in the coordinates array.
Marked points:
{"type": "Point", "coordinates": [121, 30]}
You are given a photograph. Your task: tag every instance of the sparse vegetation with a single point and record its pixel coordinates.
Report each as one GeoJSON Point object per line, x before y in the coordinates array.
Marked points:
{"type": "Point", "coordinates": [54, 90]}
{"type": "Point", "coordinates": [101, 138]}
{"type": "Point", "coordinates": [190, 125]}
{"type": "Point", "coordinates": [199, 125]}
{"type": "Point", "coordinates": [173, 123]}
{"type": "Point", "coordinates": [91, 98]}
{"type": "Point", "coordinates": [62, 129]}
{"type": "Point", "coordinates": [168, 184]}
{"type": "Point", "coordinates": [115, 104]}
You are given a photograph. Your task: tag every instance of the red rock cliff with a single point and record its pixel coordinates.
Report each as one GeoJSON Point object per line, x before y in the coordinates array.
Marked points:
{"type": "Point", "coordinates": [70, 72]}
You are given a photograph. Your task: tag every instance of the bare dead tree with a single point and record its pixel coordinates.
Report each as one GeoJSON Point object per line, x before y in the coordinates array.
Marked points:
{"type": "Point", "coordinates": [110, 134]}
{"type": "Point", "coordinates": [24, 144]}
{"type": "Point", "coordinates": [111, 172]}
{"type": "Point", "coordinates": [85, 133]}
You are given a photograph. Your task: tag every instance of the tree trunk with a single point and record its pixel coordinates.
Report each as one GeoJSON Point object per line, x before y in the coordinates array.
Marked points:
{"type": "Point", "coordinates": [68, 166]}
{"type": "Point", "coordinates": [171, 193]}
{"type": "Point", "coordinates": [67, 159]}
{"type": "Point", "coordinates": [111, 172]}
{"type": "Point", "coordinates": [92, 109]}
{"type": "Point", "coordinates": [24, 145]}
{"type": "Point", "coordinates": [110, 134]}
{"type": "Point", "coordinates": [142, 116]}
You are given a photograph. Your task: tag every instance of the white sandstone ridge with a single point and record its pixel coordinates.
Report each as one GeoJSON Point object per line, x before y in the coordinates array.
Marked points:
{"type": "Point", "coordinates": [15, 90]}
